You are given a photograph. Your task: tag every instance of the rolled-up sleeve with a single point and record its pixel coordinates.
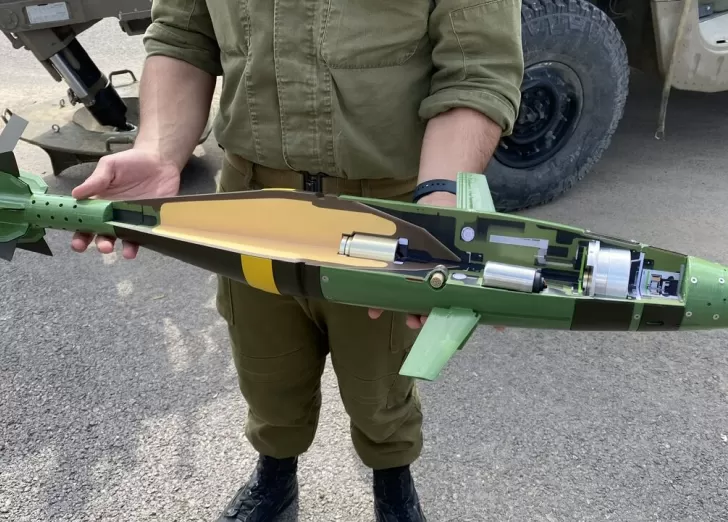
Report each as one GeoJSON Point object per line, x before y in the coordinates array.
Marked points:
{"type": "Point", "coordinates": [182, 29]}
{"type": "Point", "coordinates": [478, 59]}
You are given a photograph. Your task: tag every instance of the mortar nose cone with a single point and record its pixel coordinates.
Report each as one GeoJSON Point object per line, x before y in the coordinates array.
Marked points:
{"type": "Point", "coordinates": [705, 290]}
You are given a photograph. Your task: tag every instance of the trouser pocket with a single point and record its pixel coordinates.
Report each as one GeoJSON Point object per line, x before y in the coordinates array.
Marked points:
{"type": "Point", "coordinates": [233, 178]}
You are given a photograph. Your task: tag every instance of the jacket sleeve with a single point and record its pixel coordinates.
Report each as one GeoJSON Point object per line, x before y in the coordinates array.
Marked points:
{"type": "Point", "coordinates": [182, 29]}
{"type": "Point", "coordinates": [478, 59]}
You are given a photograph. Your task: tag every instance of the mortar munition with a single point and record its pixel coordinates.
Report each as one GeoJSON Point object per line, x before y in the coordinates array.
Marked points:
{"type": "Point", "coordinates": [462, 266]}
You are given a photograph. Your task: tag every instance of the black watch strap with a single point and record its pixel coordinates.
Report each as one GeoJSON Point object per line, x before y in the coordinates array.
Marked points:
{"type": "Point", "coordinates": [434, 185]}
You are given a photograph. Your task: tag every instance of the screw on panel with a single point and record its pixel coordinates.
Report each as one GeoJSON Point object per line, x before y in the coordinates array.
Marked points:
{"type": "Point", "coordinates": [721, 280]}
{"type": "Point", "coordinates": [325, 279]}
{"type": "Point", "coordinates": [693, 280]}
{"type": "Point", "coordinates": [688, 314]}
{"type": "Point", "coordinates": [637, 316]}
{"type": "Point", "coordinates": [716, 317]}
{"type": "Point", "coordinates": [467, 234]}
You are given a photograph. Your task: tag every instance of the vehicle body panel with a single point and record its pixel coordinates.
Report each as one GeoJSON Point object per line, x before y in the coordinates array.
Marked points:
{"type": "Point", "coordinates": [701, 57]}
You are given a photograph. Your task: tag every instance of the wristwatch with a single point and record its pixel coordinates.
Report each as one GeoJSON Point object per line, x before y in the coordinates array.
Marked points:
{"type": "Point", "coordinates": [434, 185]}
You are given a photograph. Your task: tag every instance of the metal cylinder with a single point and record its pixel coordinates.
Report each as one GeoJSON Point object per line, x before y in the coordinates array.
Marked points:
{"type": "Point", "coordinates": [363, 246]}
{"type": "Point", "coordinates": [438, 277]}
{"type": "Point", "coordinates": [609, 275]}
{"type": "Point", "coordinates": [90, 86]}
{"type": "Point", "coordinates": [68, 74]}
{"type": "Point", "coordinates": [512, 277]}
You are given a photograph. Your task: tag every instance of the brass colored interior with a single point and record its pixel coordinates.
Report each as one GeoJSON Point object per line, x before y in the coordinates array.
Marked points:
{"type": "Point", "coordinates": [278, 228]}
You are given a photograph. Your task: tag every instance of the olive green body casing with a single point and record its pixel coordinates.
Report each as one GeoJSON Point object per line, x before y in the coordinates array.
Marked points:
{"type": "Point", "coordinates": [700, 300]}
{"type": "Point", "coordinates": [703, 305]}
{"type": "Point", "coordinates": [462, 266]}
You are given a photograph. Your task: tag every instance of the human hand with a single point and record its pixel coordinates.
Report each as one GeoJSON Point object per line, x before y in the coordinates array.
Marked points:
{"type": "Point", "coordinates": [131, 174]}
{"type": "Point", "coordinates": [413, 321]}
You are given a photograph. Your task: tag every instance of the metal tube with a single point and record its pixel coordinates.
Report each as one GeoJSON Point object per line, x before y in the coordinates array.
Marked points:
{"type": "Point", "coordinates": [68, 74]}
{"type": "Point", "coordinates": [611, 277]}
{"type": "Point", "coordinates": [608, 271]}
{"type": "Point", "coordinates": [369, 247]}
{"type": "Point", "coordinates": [512, 277]}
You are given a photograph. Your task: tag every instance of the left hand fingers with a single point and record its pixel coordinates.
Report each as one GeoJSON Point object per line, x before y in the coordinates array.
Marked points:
{"type": "Point", "coordinates": [374, 313]}
{"type": "Point", "coordinates": [416, 321]}
{"type": "Point", "coordinates": [413, 321]}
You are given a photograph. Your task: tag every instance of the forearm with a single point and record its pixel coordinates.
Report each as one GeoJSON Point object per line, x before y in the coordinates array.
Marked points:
{"type": "Point", "coordinates": [475, 89]}
{"type": "Point", "coordinates": [175, 100]}
{"type": "Point", "coordinates": [458, 140]}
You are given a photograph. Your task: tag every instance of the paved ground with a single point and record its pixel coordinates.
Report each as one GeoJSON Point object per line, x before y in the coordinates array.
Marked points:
{"type": "Point", "coordinates": [118, 400]}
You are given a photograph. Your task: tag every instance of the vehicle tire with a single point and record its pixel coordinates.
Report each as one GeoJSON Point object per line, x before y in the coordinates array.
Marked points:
{"type": "Point", "coordinates": [573, 95]}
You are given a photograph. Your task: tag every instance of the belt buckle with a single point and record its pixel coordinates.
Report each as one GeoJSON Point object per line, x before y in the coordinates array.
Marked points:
{"type": "Point", "coordinates": [313, 182]}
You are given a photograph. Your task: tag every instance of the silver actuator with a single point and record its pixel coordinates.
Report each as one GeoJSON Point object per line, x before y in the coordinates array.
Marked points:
{"type": "Point", "coordinates": [513, 277]}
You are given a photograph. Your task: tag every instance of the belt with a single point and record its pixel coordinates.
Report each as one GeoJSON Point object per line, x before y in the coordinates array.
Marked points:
{"type": "Point", "coordinates": [313, 182]}
{"type": "Point", "coordinates": [321, 182]}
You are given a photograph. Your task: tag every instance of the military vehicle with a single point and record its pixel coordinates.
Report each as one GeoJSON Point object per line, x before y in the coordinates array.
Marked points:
{"type": "Point", "coordinates": [578, 57]}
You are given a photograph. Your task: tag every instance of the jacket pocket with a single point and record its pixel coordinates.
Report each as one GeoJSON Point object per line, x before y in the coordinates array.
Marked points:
{"type": "Point", "coordinates": [231, 23]}
{"type": "Point", "coordinates": [375, 33]}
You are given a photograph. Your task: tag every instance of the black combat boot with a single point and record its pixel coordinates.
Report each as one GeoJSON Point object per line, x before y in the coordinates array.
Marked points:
{"type": "Point", "coordinates": [269, 491]}
{"type": "Point", "coordinates": [395, 497]}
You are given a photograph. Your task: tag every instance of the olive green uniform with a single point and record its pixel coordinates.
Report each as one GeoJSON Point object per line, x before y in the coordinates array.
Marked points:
{"type": "Point", "coordinates": [345, 88]}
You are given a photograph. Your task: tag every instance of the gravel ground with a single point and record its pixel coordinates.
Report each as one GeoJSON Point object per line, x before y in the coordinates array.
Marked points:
{"type": "Point", "coordinates": [119, 401]}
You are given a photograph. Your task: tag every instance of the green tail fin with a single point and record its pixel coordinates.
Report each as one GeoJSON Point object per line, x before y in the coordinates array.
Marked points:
{"type": "Point", "coordinates": [14, 194]}
{"type": "Point", "coordinates": [444, 333]}
{"type": "Point", "coordinates": [474, 193]}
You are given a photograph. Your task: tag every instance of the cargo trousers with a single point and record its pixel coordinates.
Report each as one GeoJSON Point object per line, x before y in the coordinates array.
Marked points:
{"type": "Point", "coordinates": [280, 345]}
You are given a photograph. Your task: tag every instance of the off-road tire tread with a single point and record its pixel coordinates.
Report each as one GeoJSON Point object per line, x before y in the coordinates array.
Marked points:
{"type": "Point", "coordinates": [600, 23]}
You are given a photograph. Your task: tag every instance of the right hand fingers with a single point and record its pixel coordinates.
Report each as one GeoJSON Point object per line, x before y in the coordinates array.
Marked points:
{"type": "Point", "coordinates": [129, 250]}
{"type": "Point", "coordinates": [82, 240]}
{"type": "Point", "coordinates": [104, 244]}
{"type": "Point", "coordinates": [99, 180]}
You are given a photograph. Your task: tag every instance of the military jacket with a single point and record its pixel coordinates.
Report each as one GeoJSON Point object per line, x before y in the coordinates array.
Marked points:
{"type": "Point", "coordinates": [344, 87]}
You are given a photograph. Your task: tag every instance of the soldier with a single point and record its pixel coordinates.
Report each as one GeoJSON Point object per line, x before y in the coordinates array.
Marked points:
{"type": "Point", "coordinates": [372, 98]}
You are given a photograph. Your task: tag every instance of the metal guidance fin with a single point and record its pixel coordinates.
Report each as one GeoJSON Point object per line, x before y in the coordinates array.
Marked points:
{"type": "Point", "coordinates": [39, 247]}
{"type": "Point", "coordinates": [12, 132]}
{"type": "Point", "coordinates": [474, 193]}
{"type": "Point", "coordinates": [8, 164]}
{"type": "Point", "coordinates": [445, 332]}
{"type": "Point", "coordinates": [9, 138]}
{"type": "Point", "coordinates": [7, 250]}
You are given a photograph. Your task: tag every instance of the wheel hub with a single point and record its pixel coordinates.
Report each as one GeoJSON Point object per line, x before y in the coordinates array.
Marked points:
{"type": "Point", "coordinates": [551, 105]}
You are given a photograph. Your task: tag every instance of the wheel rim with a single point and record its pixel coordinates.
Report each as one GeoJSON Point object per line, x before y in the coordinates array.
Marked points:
{"type": "Point", "coordinates": [552, 98]}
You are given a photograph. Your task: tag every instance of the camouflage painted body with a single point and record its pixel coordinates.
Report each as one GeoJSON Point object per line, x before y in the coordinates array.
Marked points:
{"type": "Point", "coordinates": [461, 266]}
{"type": "Point", "coordinates": [406, 287]}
